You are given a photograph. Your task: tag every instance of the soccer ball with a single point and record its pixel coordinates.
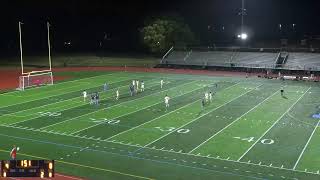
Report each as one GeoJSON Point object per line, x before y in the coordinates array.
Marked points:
{"type": "Point", "coordinates": [18, 148]}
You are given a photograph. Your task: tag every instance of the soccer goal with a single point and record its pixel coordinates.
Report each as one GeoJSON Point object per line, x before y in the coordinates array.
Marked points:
{"type": "Point", "coordinates": [35, 78]}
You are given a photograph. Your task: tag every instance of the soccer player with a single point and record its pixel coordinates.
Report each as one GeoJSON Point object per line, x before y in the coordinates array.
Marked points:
{"type": "Point", "coordinates": [117, 94]}
{"type": "Point", "coordinates": [282, 91]}
{"type": "Point", "coordinates": [97, 98]}
{"type": "Point", "coordinates": [92, 99]}
{"type": "Point", "coordinates": [161, 83]}
{"type": "Point", "coordinates": [142, 86]}
{"type": "Point", "coordinates": [84, 93]}
{"type": "Point", "coordinates": [137, 84]}
{"type": "Point", "coordinates": [166, 101]}
{"type": "Point", "coordinates": [134, 85]}
{"type": "Point", "coordinates": [210, 96]}
{"type": "Point", "coordinates": [203, 103]}
{"type": "Point", "coordinates": [13, 152]}
{"type": "Point", "coordinates": [131, 89]}
{"type": "Point", "coordinates": [206, 96]}
{"type": "Point", "coordinates": [105, 87]}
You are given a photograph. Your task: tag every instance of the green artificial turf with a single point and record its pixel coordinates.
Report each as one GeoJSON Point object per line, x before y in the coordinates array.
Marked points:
{"type": "Point", "coordinates": [248, 131]}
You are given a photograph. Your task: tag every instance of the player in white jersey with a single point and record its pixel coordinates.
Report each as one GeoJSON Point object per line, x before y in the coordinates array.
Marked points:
{"type": "Point", "coordinates": [210, 97]}
{"type": "Point", "coordinates": [206, 96]}
{"type": "Point", "coordinates": [142, 86]}
{"type": "Point", "coordinates": [117, 94]}
{"type": "Point", "coordinates": [137, 84]}
{"type": "Point", "coordinates": [161, 83]}
{"type": "Point", "coordinates": [84, 93]}
{"type": "Point", "coordinates": [166, 101]}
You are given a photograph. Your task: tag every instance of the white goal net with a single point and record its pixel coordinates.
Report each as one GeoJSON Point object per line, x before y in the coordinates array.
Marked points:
{"type": "Point", "coordinates": [35, 79]}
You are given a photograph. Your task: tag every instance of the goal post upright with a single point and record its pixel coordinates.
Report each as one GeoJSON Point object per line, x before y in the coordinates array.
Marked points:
{"type": "Point", "coordinates": [27, 78]}
{"type": "Point", "coordinates": [20, 40]}
{"type": "Point", "coordinates": [49, 45]}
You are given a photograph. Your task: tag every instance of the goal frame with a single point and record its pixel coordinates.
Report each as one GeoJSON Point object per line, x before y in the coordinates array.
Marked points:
{"type": "Point", "coordinates": [22, 82]}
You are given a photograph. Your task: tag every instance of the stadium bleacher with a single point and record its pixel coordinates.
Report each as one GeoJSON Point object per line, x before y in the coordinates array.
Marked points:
{"type": "Point", "coordinates": [305, 61]}
{"type": "Point", "coordinates": [250, 59]}
{"type": "Point", "coordinates": [255, 59]}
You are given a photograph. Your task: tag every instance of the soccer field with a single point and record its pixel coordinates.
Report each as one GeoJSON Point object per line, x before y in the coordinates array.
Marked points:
{"type": "Point", "coordinates": [248, 131]}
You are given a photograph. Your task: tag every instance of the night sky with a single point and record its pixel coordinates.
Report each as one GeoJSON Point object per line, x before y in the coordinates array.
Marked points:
{"type": "Point", "coordinates": [86, 22]}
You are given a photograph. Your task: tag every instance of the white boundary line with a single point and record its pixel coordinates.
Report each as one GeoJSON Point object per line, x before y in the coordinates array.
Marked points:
{"type": "Point", "coordinates": [162, 115]}
{"type": "Point", "coordinates": [63, 100]}
{"type": "Point", "coordinates": [64, 82]}
{"type": "Point", "coordinates": [170, 151]}
{"type": "Point", "coordinates": [234, 121]}
{"type": "Point", "coordinates": [202, 116]}
{"type": "Point", "coordinates": [274, 124]}
{"type": "Point", "coordinates": [117, 104]}
{"type": "Point", "coordinates": [46, 96]}
{"type": "Point", "coordinates": [305, 147]}
{"type": "Point", "coordinates": [81, 103]}
{"type": "Point", "coordinates": [136, 111]}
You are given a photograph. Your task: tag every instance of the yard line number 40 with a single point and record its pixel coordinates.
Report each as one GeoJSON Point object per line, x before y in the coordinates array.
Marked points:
{"type": "Point", "coordinates": [251, 139]}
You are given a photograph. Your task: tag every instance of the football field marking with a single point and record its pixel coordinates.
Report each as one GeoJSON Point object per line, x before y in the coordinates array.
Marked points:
{"type": "Point", "coordinates": [80, 96]}
{"type": "Point", "coordinates": [305, 147]}
{"type": "Point", "coordinates": [65, 82]}
{"type": "Point", "coordinates": [109, 106]}
{"type": "Point", "coordinates": [85, 166]}
{"type": "Point", "coordinates": [58, 90]}
{"type": "Point", "coordinates": [163, 115]}
{"type": "Point", "coordinates": [274, 124]}
{"type": "Point", "coordinates": [116, 106]}
{"type": "Point", "coordinates": [139, 109]}
{"type": "Point", "coordinates": [170, 151]}
{"type": "Point", "coordinates": [200, 116]}
{"type": "Point", "coordinates": [162, 149]}
{"type": "Point", "coordinates": [71, 107]}
{"type": "Point", "coordinates": [234, 121]}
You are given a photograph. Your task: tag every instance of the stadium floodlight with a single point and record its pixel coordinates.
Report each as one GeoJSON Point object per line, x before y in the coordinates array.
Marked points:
{"type": "Point", "coordinates": [244, 36]}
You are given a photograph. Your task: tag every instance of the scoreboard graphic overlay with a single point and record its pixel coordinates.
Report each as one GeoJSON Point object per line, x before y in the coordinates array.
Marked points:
{"type": "Point", "coordinates": [27, 168]}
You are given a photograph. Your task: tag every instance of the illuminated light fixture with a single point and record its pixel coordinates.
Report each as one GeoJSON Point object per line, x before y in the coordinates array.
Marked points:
{"type": "Point", "coordinates": [244, 36]}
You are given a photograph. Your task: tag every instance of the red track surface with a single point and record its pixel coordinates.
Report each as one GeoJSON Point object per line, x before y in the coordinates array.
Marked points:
{"type": "Point", "coordinates": [9, 77]}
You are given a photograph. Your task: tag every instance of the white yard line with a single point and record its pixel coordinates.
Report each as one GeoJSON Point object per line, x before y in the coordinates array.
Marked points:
{"type": "Point", "coordinates": [54, 95]}
{"type": "Point", "coordinates": [115, 105]}
{"type": "Point", "coordinates": [65, 99]}
{"type": "Point", "coordinates": [63, 82]}
{"type": "Point", "coordinates": [42, 98]}
{"type": "Point", "coordinates": [200, 116]}
{"type": "Point", "coordinates": [168, 151]}
{"type": "Point", "coordinates": [108, 97]}
{"type": "Point", "coordinates": [274, 124]}
{"type": "Point", "coordinates": [133, 112]}
{"type": "Point", "coordinates": [161, 116]}
{"type": "Point", "coordinates": [305, 147]}
{"type": "Point", "coordinates": [233, 122]}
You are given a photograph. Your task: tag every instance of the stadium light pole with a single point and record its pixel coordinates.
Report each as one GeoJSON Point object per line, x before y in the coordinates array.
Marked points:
{"type": "Point", "coordinates": [49, 45]}
{"type": "Point", "coordinates": [242, 35]}
{"type": "Point", "coordinates": [20, 40]}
